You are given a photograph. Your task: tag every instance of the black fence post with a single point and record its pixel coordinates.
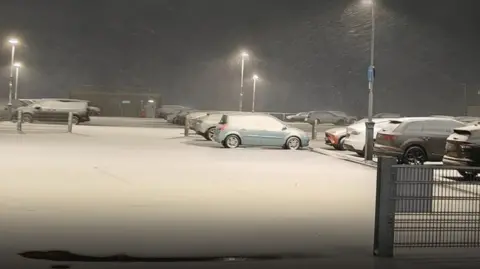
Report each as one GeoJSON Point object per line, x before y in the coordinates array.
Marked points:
{"type": "Point", "coordinates": [19, 121]}
{"type": "Point", "coordinates": [186, 131]}
{"type": "Point", "coordinates": [70, 122]}
{"type": "Point", "coordinates": [314, 129]}
{"type": "Point", "coordinates": [384, 208]}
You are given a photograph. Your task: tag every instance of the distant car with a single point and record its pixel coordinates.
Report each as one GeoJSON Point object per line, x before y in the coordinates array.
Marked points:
{"type": "Point", "coordinates": [166, 110]}
{"type": "Point", "coordinates": [415, 140]}
{"type": "Point", "coordinates": [299, 117]}
{"type": "Point", "coordinates": [54, 111]}
{"type": "Point", "coordinates": [463, 149]}
{"type": "Point", "coordinates": [182, 116]}
{"type": "Point", "coordinates": [4, 113]}
{"type": "Point", "coordinates": [335, 137]}
{"type": "Point", "coordinates": [205, 126]}
{"type": "Point", "coordinates": [258, 130]}
{"type": "Point", "coordinates": [386, 115]}
{"type": "Point", "coordinates": [333, 117]}
{"type": "Point", "coordinates": [355, 134]}
{"type": "Point", "coordinates": [468, 119]}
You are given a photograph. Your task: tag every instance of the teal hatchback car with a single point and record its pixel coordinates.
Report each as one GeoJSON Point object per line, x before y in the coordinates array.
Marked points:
{"type": "Point", "coordinates": [253, 129]}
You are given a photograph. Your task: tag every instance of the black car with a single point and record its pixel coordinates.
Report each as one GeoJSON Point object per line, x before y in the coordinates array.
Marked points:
{"type": "Point", "coordinates": [463, 149]}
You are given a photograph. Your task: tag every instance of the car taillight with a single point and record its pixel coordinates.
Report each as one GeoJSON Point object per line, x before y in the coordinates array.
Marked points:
{"type": "Point", "coordinates": [388, 137]}
{"type": "Point", "coordinates": [222, 127]}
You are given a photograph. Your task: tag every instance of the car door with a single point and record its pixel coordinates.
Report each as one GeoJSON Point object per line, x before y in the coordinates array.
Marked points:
{"type": "Point", "coordinates": [43, 111]}
{"type": "Point", "coordinates": [249, 128]}
{"type": "Point", "coordinates": [435, 133]}
{"type": "Point", "coordinates": [273, 132]}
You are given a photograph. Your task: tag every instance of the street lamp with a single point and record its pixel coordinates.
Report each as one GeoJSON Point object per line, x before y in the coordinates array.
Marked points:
{"type": "Point", "coordinates": [244, 56]}
{"type": "Point", "coordinates": [255, 78]}
{"type": "Point", "coordinates": [17, 68]}
{"type": "Point", "coordinates": [371, 78]}
{"type": "Point", "coordinates": [13, 42]}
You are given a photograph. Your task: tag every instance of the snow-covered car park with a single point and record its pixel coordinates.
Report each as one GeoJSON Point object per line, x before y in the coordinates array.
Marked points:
{"type": "Point", "coordinates": [108, 190]}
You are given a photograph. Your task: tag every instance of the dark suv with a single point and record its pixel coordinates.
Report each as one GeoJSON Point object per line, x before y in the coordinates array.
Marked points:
{"type": "Point", "coordinates": [415, 140]}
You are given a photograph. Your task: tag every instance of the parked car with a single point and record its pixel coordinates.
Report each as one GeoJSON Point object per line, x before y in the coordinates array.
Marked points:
{"type": "Point", "coordinates": [468, 119]}
{"type": "Point", "coordinates": [205, 126]}
{"type": "Point", "coordinates": [415, 140]}
{"type": "Point", "coordinates": [356, 134]}
{"type": "Point", "coordinates": [181, 116]}
{"type": "Point", "coordinates": [194, 116]}
{"type": "Point", "coordinates": [166, 110]}
{"type": "Point", "coordinates": [333, 117]}
{"type": "Point", "coordinates": [335, 137]}
{"type": "Point", "coordinates": [55, 111]}
{"type": "Point", "coordinates": [92, 110]}
{"type": "Point", "coordinates": [258, 130]}
{"type": "Point", "coordinates": [386, 115]}
{"type": "Point", "coordinates": [299, 117]}
{"type": "Point", "coordinates": [4, 113]}
{"type": "Point", "coordinates": [463, 149]}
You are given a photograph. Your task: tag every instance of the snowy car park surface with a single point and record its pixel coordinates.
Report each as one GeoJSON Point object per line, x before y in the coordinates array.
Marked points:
{"type": "Point", "coordinates": [154, 192]}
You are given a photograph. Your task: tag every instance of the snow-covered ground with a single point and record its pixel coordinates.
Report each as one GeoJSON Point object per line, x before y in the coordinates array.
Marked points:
{"type": "Point", "coordinates": [105, 190]}
{"type": "Point", "coordinates": [153, 192]}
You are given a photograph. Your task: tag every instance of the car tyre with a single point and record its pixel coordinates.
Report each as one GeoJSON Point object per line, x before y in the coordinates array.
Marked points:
{"type": "Point", "coordinates": [28, 118]}
{"type": "Point", "coordinates": [75, 120]}
{"type": "Point", "coordinates": [209, 134]}
{"type": "Point", "coordinates": [293, 143]}
{"type": "Point", "coordinates": [231, 141]}
{"type": "Point", "coordinates": [414, 155]}
{"type": "Point", "coordinates": [339, 146]}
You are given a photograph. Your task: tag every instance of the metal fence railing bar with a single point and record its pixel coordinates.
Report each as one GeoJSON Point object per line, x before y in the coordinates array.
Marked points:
{"type": "Point", "coordinates": [26, 123]}
{"type": "Point", "coordinates": [427, 206]}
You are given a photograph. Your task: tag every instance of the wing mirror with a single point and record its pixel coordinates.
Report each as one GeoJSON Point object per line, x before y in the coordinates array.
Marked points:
{"type": "Point", "coordinates": [284, 128]}
{"type": "Point", "coordinates": [37, 107]}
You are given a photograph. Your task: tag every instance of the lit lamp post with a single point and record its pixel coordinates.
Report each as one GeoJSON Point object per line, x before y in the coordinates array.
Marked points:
{"type": "Point", "coordinates": [244, 56]}
{"type": "Point", "coordinates": [371, 78]}
{"type": "Point", "coordinates": [255, 78]}
{"type": "Point", "coordinates": [13, 42]}
{"type": "Point", "coordinates": [17, 70]}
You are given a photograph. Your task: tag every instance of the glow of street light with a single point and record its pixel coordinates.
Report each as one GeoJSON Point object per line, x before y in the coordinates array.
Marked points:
{"type": "Point", "coordinates": [255, 77]}
{"type": "Point", "coordinates": [17, 65]}
{"type": "Point", "coordinates": [367, 2]}
{"type": "Point", "coordinates": [13, 41]}
{"type": "Point", "coordinates": [151, 101]}
{"type": "Point", "coordinates": [244, 54]}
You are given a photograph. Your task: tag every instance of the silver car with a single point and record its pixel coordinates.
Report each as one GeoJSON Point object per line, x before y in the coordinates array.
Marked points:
{"type": "Point", "coordinates": [205, 126]}
{"type": "Point", "coordinates": [258, 130]}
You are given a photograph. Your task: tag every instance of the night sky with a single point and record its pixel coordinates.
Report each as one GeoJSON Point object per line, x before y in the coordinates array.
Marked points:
{"type": "Point", "coordinates": [310, 54]}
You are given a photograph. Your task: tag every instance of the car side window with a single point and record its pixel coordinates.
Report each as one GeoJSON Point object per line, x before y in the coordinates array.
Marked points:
{"type": "Point", "coordinates": [450, 125]}
{"type": "Point", "coordinates": [270, 123]}
{"type": "Point", "coordinates": [437, 126]}
{"type": "Point", "coordinates": [414, 127]}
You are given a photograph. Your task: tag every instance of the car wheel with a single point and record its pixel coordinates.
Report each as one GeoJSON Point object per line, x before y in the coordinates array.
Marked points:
{"type": "Point", "coordinates": [27, 118]}
{"type": "Point", "coordinates": [341, 141]}
{"type": "Point", "coordinates": [468, 175]}
{"type": "Point", "coordinates": [232, 141]}
{"type": "Point", "coordinates": [210, 133]}
{"type": "Point", "coordinates": [75, 120]}
{"type": "Point", "coordinates": [293, 143]}
{"type": "Point", "coordinates": [414, 155]}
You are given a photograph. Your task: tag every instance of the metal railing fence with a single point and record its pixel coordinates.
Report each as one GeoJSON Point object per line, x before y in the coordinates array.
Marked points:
{"type": "Point", "coordinates": [429, 206]}
{"type": "Point", "coordinates": [45, 123]}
